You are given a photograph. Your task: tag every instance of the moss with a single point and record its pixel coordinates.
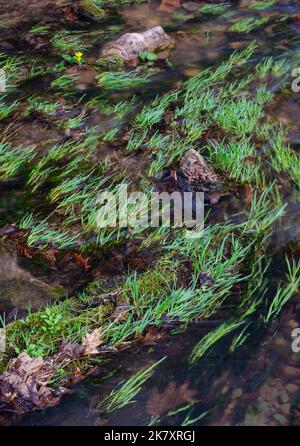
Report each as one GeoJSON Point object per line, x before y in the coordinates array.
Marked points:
{"type": "Point", "coordinates": [88, 9]}
{"type": "Point", "coordinates": [110, 63]}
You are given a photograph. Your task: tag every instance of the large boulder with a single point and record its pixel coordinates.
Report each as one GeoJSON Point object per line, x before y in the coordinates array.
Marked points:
{"type": "Point", "coordinates": [90, 10]}
{"type": "Point", "coordinates": [20, 287]}
{"type": "Point", "coordinates": [131, 45]}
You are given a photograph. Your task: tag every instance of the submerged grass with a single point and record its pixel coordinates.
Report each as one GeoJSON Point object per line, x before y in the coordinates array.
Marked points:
{"type": "Point", "coordinates": [121, 80]}
{"type": "Point", "coordinates": [190, 278]}
{"type": "Point", "coordinates": [128, 390]}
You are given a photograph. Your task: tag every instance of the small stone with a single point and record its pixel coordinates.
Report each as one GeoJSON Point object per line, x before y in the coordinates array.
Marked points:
{"type": "Point", "coordinates": [292, 388]}
{"type": "Point", "coordinates": [285, 408]}
{"type": "Point", "coordinates": [291, 371]}
{"type": "Point", "coordinates": [129, 46]}
{"type": "Point", "coordinates": [279, 340]}
{"type": "Point", "coordinates": [189, 72]}
{"type": "Point", "coordinates": [292, 324]}
{"type": "Point", "coordinates": [224, 390]}
{"type": "Point", "coordinates": [191, 6]}
{"type": "Point", "coordinates": [280, 418]}
{"type": "Point", "coordinates": [265, 408]}
{"type": "Point", "coordinates": [283, 396]}
{"type": "Point", "coordinates": [237, 393]}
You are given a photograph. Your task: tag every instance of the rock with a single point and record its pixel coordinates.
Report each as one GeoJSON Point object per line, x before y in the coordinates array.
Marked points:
{"type": "Point", "coordinates": [291, 371]}
{"type": "Point", "coordinates": [19, 285]}
{"type": "Point", "coordinates": [285, 408]}
{"type": "Point", "coordinates": [195, 168]}
{"type": "Point", "coordinates": [292, 388]}
{"type": "Point", "coordinates": [236, 393]}
{"type": "Point", "coordinates": [110, 63]}
{"type": "Point", "coordinates": [280, 418]}
{"type": "Point", "coordinates": [190, 6]}
{"type": "Point", "coordinates": [88, 9]}
{"type": "Point", "coordinates": [24, 384]}
{"type": "Point", "coordinates": [131, 45]}
{"type": "Point", "coordinates": [283, 396]}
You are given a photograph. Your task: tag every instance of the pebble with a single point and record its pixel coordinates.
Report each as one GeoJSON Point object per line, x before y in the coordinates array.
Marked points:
{"type": "Point", "coordinates": [291, 371]}
{"type": "Point", "coordinates": [280, 418]}
{"type": "Point", "coordinates": [283, 396]}
{"type": "Point", "coordinates": [225, 390]}
{"type": "Point", "coordinates": [291, 388]}
{"type": "Point", "coordinates": [280, 341]}
{"type": "Point", "coordinates": [236, 393]}
{"type": "Point", "coordinates": [189, 72]}
{"type": "Point", "coordinates": [191, 6]}
{"type": "Point", "coordinates": [285, 408]}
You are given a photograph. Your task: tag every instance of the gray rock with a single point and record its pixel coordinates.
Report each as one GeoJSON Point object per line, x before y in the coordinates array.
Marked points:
{"type": "Point", "coordinates": [131, 45]}
{"type": "Point", "coordinates": [19, 287]}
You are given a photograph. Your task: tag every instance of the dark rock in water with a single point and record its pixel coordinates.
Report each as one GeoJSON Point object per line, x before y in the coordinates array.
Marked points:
{"type": "Point", "coordinates": [195, 168]}
{"type": "Point", "coordinates": [131, 45]}
{"type": "Point", "coordinates": [19, 287]}
{"type": "Point", "coordinates": [110, 63]}
{"type": "Point", "coordinates": [88, 9]}
{"type": "Point", "coordinates": [191, 6]}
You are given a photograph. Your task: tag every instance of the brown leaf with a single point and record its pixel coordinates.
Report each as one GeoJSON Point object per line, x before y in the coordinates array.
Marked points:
{"type": "Point", "coordinates": [50, 255]}
{"type": "Point", "coordinates": [91, 341]}
{"type": "Point", "coordinates": [83, 262]}
{"type": "Point", "coordinates": [171, 398]}
{"type": "Point", "coordinates": [121, 312]}
{"type": "Point", "coordinates": [195, 168]}
{"type": "Point", "coordinates": [151, 337]}
{"type": "Point", "coordinates": [24, 384]}
{"type": "Point", "coordinates": [70, 14]}
{"type": "Point", "coordinates": [169, 6]}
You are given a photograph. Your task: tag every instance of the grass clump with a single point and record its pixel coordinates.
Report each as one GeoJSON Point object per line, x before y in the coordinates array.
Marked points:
{"type": "Point", "coordinates": [214, 9]}
{"type": "Point", "coordinates": [286, 292]}
{"type": "Point", "coordinates": [13, 160]}
{"type": "Point", "coordinates": [261, 5]}
{"type": "Point", "coordinates": [283, 158]}
{"type": "Point", "coordinates": [249, 24]}
{"type": "Point", "coordinates": [121, 80]}
{"type": "Point", "coordinates": [237, 160]}
{"type": "Point", "coordinates": [239, 117]}
{"type": "Point", "coordinates": [125, 393]}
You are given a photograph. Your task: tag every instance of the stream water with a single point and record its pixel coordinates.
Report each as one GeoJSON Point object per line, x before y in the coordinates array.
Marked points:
{"type": "Point", "coordinates": [260, 383]}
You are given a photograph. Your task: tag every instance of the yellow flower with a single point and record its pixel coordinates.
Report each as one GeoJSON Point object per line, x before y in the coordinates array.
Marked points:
{"type": "Point", "coordinates": [78, 56]}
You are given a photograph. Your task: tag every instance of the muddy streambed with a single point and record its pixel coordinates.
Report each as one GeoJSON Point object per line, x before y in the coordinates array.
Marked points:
{"type": "Point", "coordinates": [50, 251]}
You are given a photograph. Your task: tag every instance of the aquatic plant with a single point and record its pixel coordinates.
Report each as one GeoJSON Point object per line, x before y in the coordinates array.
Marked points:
{"type": "Point", "coordinates": [234, 159]}
{"type": "Point", "coordinates": [248, 25]}
{"type": "Point", "coordinates": [128, 390]}
{"type": "Point", "coordinates": [121, 80]}
{"type": "Point", "coordinates": [214, 9]}
{"type": "Point", "coordinates": [261, 5]}
{"type": "Point", "coordinates": [91, 10]}
{"type": "Point", "coordinates": [285, 292]}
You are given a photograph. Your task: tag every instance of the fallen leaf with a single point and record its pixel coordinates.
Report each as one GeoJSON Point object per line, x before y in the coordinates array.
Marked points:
{"type": "Point", "coordinates": [24, 385]}
{"type": "Point", "coordinates": [50, 255]}
{"type": "Point", "coordinates": [151, 336]}
{"type": "Point", "coordinates": [120, 313]}
{"type": "Point", "coordinates": [195, 168]}
{"type": "Point", "coordinates": [171, 398]}
{"type": "Point", "coordinates": [169, 6]}
{"type": "Point", "coordinates": [91, 341]}
{"type": "Point", "coordinates": [83, 262]}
